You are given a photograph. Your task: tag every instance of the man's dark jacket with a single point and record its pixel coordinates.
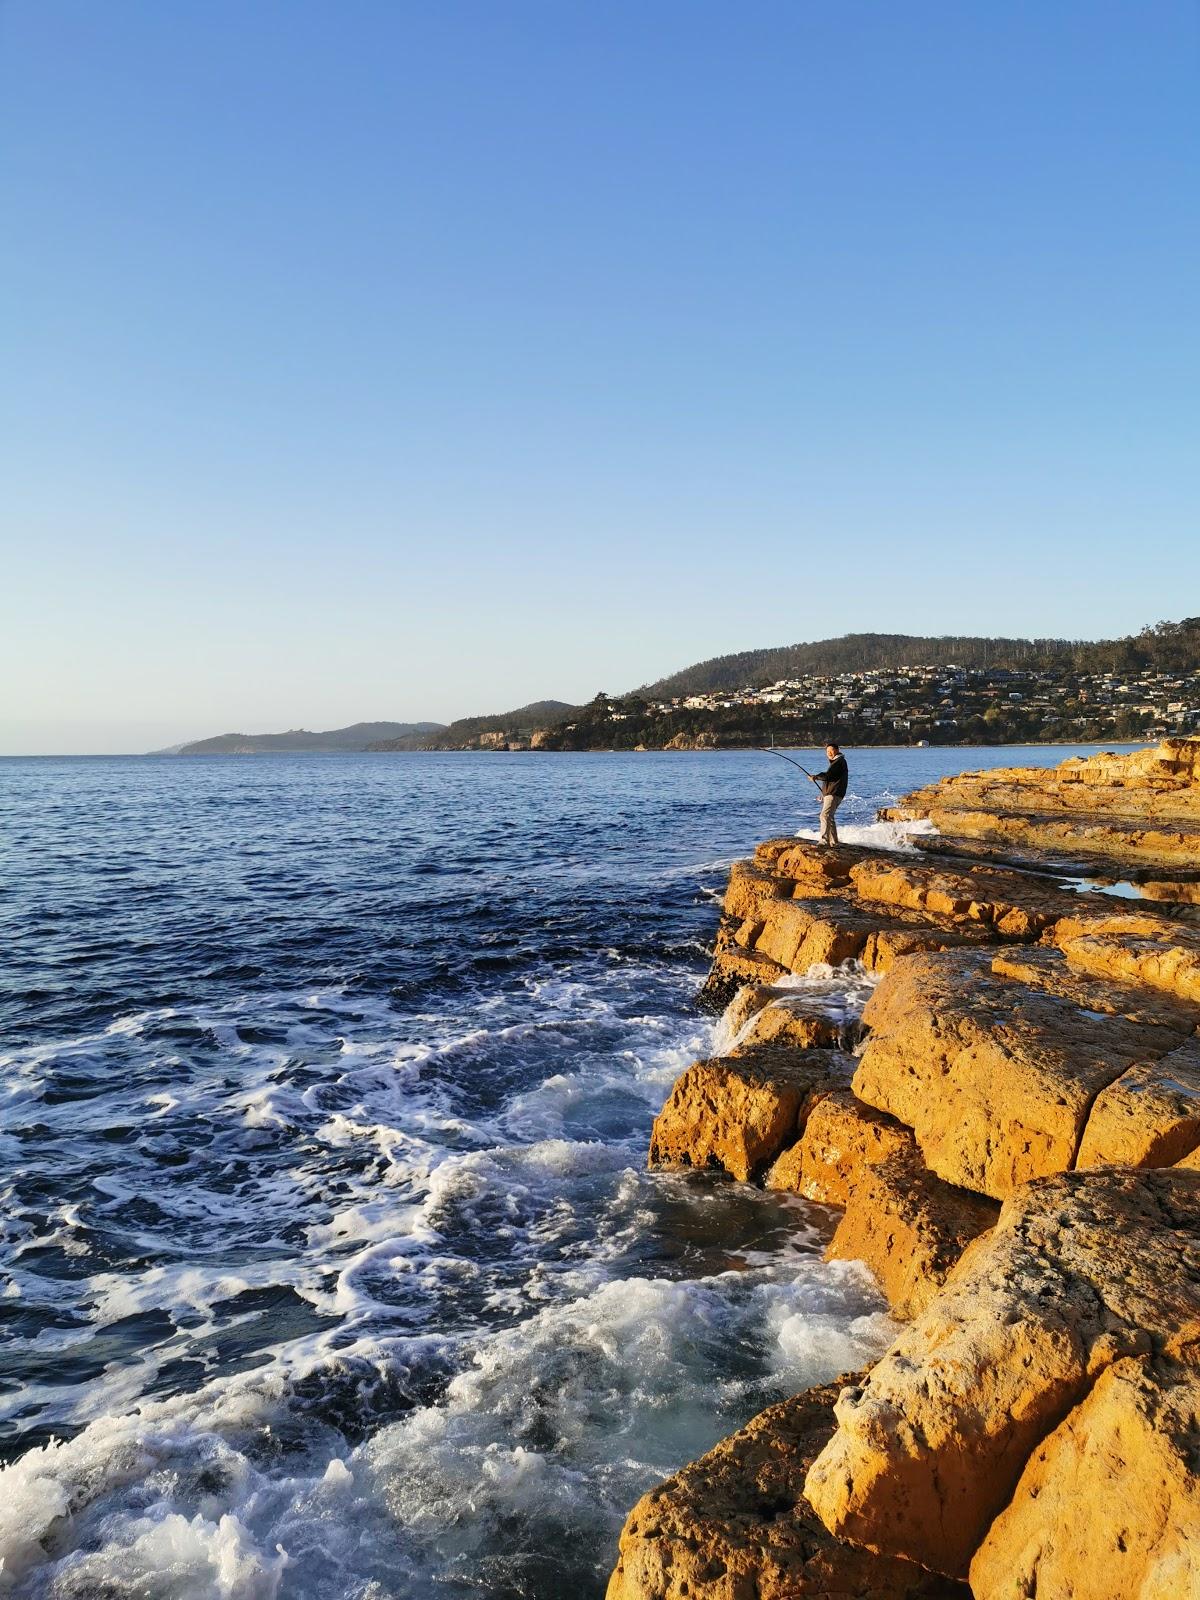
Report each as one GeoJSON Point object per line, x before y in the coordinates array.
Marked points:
{"type": "Point", "coordinates": [835, 777]}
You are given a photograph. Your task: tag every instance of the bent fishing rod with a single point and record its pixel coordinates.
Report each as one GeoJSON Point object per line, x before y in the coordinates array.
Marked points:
{"type": "Point", "coordinates": [788, 759]}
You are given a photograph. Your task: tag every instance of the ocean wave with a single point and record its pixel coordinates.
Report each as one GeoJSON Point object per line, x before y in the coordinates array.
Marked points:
{"type": "Point", "coordinates": [240, 1490]}
{"type": "Point", "coordinates": [329, 1262]}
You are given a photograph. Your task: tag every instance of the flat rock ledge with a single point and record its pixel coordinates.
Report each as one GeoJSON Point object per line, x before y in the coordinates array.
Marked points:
{"type": "Point", "coordinates": [1123, 812]}
{"type": "Point", "coordinates": [1009, 1135]}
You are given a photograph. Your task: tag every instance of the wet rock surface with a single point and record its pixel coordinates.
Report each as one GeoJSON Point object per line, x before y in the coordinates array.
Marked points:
{"type": "Point", "coordinates": [735, 1525]}
{"type": "Point", "coordinates": [733, 965]}
{"type": "Point", "coordinates": [786, 1022]}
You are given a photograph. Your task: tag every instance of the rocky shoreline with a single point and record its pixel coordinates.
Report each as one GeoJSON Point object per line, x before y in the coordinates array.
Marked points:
{"type": "Point", "coordinates": [1010, 1131]}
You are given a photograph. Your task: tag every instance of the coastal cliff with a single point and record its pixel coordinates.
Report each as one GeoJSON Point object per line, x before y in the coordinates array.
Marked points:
{"type": "Point", "coordinates": [1009, 1131]}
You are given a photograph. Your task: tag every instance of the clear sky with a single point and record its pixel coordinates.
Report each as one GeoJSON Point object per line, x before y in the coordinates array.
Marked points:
{"type": "Point", "coordinates": [372, 359]}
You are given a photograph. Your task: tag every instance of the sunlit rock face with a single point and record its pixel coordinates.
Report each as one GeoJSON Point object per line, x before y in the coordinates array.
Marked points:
{"type": "Point", "coordinates": [736, 1525]}
{"type": "Point", "coordinates": [1109, 1504]}
{"type": "Point", "coordinates": [1080, 1271]}
{"type": "Point", "coordinates": [997, 1078]}
{"type": "Point", "coordinates": [1130, 810]}
{"type": "Point", "coordinates": [1014, 1149]}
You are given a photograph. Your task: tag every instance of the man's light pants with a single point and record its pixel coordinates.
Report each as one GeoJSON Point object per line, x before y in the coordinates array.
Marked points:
{"type": "Point", "coordinates": [829, 805]}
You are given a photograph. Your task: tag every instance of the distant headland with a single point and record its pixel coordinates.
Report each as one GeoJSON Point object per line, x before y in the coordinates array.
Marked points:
{"type": "Point", "coordinates": [862, 689]}
{"type": "Point", "coordinates": [359, 736]}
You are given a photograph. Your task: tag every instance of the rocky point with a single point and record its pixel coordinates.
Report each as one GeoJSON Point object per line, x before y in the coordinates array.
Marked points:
{"type": "Point", "coordinates": [1009, 1135]}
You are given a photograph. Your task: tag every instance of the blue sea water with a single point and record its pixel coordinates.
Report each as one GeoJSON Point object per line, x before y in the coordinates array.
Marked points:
{"type": "Point", "coordinates": [329, 1263]}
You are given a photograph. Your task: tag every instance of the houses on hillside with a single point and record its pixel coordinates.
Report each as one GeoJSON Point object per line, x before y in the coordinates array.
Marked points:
{"type": "Point", "coordinates": [948, 702]}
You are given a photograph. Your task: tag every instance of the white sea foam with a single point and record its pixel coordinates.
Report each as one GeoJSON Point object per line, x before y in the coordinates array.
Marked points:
{"type": "Point", "coordinates": [839, 993]}
{"type": "Point", "coordinates": [179, 1559]}
{"type": "Point", "coordinates": [539, 1445]}
{"type": "Point", "coordinates": [876, 835]}
{"type": "Point", "coordinates": [112, 1296]}
{"type": "Point", "coordinates": [473, 1327]}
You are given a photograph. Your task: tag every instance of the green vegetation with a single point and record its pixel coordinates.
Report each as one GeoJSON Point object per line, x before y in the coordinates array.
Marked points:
{"type": "Point", "coordinates": [507, 726]}
{"type": "Point", "coordinates": [891, 689]}
{"type": "Point", "coordinates": [1167, 646]}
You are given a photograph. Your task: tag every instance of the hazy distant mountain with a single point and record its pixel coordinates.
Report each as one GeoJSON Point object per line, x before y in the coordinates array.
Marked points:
{"type": "Point", "coordinates": [360, 736]}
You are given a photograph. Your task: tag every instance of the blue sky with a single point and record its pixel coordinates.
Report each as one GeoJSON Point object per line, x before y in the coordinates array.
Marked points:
{"type": "Point", "coordinates": [412, 360]}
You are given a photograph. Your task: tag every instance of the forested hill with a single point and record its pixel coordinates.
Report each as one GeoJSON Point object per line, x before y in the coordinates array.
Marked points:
{"type": "Point", "coordinates": [467, 731]}
{"type": "Point", "coordinates": [1172, 646]}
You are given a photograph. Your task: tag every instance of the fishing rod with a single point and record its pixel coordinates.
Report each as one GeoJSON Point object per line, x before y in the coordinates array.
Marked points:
{"type": "Point", "coordinates": [773, 752]}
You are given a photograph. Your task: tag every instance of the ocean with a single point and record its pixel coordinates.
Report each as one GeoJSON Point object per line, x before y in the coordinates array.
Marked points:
{"type": "Point", "coordinates": [329, 1263]}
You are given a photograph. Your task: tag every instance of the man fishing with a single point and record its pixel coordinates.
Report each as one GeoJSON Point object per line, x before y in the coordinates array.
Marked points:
{"type": "Point", "coordinates": [832, 784]}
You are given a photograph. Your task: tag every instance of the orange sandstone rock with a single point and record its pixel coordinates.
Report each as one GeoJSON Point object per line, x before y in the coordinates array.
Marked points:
{"type": "Point", "coordinates": [810, 867]}
{"type": "Point", "coordinates": [796, 1017]}
{"type": "Point", "coordinates": [1170, 963]}
{"type": "Point", "coordinates": [909, 1228]}
{"type": "Point", "coordinates": [1139, 808]}
{"type": "Point", "coordinates": [1045, 968]}
{"type": "Point", "coordinates": [737, 1112]}
{"type": "Point", "coordinates": [1164, 780]}
{"type": "Point", "coordinates": [1143, 924]}
{"type": "Point", "coordinates": [1108, 1506]}
{"type": "Point", "coordinates": [1041, 1366]}
{"type": "Point", "coordinates": [1080, 1271]}
{"type": "Point", "coordinates": [1017, 905]}
{"type": "Point", "coordinates": [751, 889]}
{"type": "Point", "coordinates": [906, 1225]}
{"type": "Point", "coordinates": [770, 850]}
{"type": "Point", "coordinates": [735, 1526]}
{"type": "Point", "coordinates": [1111, 842]}
{"type": "Point", "coordinates": [892, 939]}
{"type": "Point", "coordinates": [995, 1079]}
{"type": "Point", "coordinates": [800, 933]}
{"type": "Point", "coordinates": [732, 966]}
{"type": "Point", "coordinates": [1149, 1116]}
{"type": "Point", "coordinates": [749, 999]}
{"type": "Point", "coordinates": [841, 1137]}
{"type": "Point", "coordinates": [789, 1022]}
